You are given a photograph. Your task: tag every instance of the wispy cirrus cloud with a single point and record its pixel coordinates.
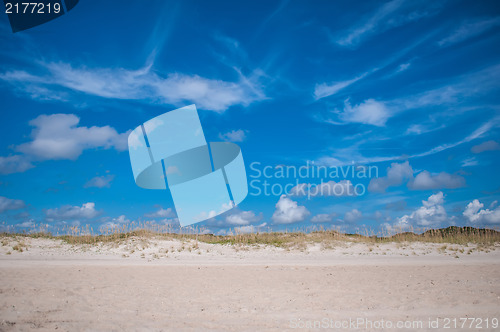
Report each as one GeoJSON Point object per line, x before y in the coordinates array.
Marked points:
{"type": "Point", "coordinates": [469, 29]}
{"type": "Point", "coordinates": [323, 90]}
{"type": "Point", "coordinates": [345, 156]}
{"type": "Point", "coordinates": [465, 91]}
{"type": "Point", "coordinates": [455, 91]}
{"type": "Point", "coordinates": [390, 15]}
{"type": "Point", "coordinates": [143, 84]}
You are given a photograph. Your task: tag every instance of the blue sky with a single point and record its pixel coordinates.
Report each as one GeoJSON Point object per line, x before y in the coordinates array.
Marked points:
{"type": "Point", "coordinates": [408, 87]}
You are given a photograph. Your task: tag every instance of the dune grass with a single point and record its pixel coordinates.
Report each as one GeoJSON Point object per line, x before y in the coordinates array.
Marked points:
{"type": "Point", "coordinates": [297, 239]}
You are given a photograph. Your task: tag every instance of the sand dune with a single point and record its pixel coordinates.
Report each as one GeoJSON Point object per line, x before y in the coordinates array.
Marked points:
{"type": "Point", "coordinates": [53, 285]}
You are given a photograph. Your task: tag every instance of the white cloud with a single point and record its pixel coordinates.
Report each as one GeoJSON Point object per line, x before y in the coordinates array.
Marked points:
{"type": "Point", "coordinates": [396, 174]}
{"type": "Point", "coordinates": [469, 29]}
{"type": "Point", "coordinates": [486, 146]}
{"type": "Point", "coordinates": [330, 188]}
{"type": "Point", "coordinates": [58, 136]}
{"type": "Point", "coordinates": [121, 219]}
{"type": "Point", "coordinates": [242, 218]}
{"type": "Point", "coordinates": [10, 204]}
{"type": "Point", "coordinates": [233, 136]}
{"type": "Point", "coordinates": [68, 212]}
{"type": "Point", "coordinates": [109, 226]}
{"type": "Point", "coordinates": [469, 162]}
{"type": "Point", "coordinates": [249, 228]}
{"type": "Point", "coordinates": [455, 91]}
{"type": "Point", "coordinates": [392, 14]}
{"type": "Point", "coordinates": [370, 112]}
{"type": "Point", "coordinates": [14, 164]}
{"type": "Point", "coordinates": [103, 181]}
{"type": "Point", "coordinates": [475, 213]}
{"type": "Point", "coordinates": [451, 93]}
{"type": "Point", "coordinates": [26, 224]}
{"type": "Point", "coordinates": [425, 181]}
{"type": "Point", "coordinates": [352, 216]}
{"type": "Point", "coordinates": [323, 217]}
{"type": "Point", "coordinates": [161, 213]}
{"type": "Point", "coordinates": [403, 67]}
{"type": "Point", "coordinates": [416, 129]}
{"type": "Point", "coordinates": [327, 89]}
{"type": "Point", "coordinates": [288, 211]}
{"type": "Point", "coordinates": [143, 84]}
{"type": "Point", "coordinates": [114, 223]}
{"type": "Point", "coordinates": [430, 214]}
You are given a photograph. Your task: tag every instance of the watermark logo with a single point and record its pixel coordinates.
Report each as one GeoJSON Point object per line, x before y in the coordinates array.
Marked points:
{"type": "Point", "coordinates": [310, 180]}
{"type": "Point", "coordinates": [24, 14]}
{"type": "Point", "coordinates": [205, 179]}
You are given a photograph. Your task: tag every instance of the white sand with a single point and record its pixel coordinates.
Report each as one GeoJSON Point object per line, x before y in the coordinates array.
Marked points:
{"type": "Point", "coordinates": [125, 287]}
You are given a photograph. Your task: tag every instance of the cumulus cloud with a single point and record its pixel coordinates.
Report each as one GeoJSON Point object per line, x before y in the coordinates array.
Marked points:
{"type": "Point", "coordinates": [14, 164]}
{"type": "Point", "coordinates": [353, 216]}
{"type": "Point", "coordinates": [430, 214]}
{"type": "Point", "coordinates": [425, 181]}
{"type": "Point", "coordinates": [330, 188]}
{"type": "Point", "coordinates": [396, 174]}
{"type": "Point", "coordinates": [475, 213]}
{"type": "Point", "coordinates": [142, 84]}
{"type": "Point", "coordinates": [323, 217]}
{"type": "Point", "coordinates": [234, 136]}
{"type": "Point", "coordinates": [161, 213]}
{"type": "Point", "coordinates": [485, 146]}
{"type": "Point", "coordinates": [114, 223]}
{"type": "Point", "coordinates": [100, 181]}
{"type": "Point", "coordinates": [10, 204]}
{"type": "Point", "coordinates": [288, 211]}
{"type": "Point", "coordinates": [58, 136]}
{"type": "Point", "coordinates": [249, 228]}
{"type": "Point", "coordinates": [370, 112]}
{"type": "Point", "coordinates": [26, 224]}
{"type": "Point", "coordinates": [68, 212]}
{"type": "Point", "coordinates": [242, 218]}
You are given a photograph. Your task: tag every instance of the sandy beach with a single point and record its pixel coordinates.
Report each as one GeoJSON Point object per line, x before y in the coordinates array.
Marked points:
{"type": "Point", "coordinates": [159, 285]}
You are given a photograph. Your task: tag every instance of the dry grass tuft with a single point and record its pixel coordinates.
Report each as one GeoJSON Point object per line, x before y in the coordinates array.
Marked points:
{"type": "Point", "coordinates": [482, 238]}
